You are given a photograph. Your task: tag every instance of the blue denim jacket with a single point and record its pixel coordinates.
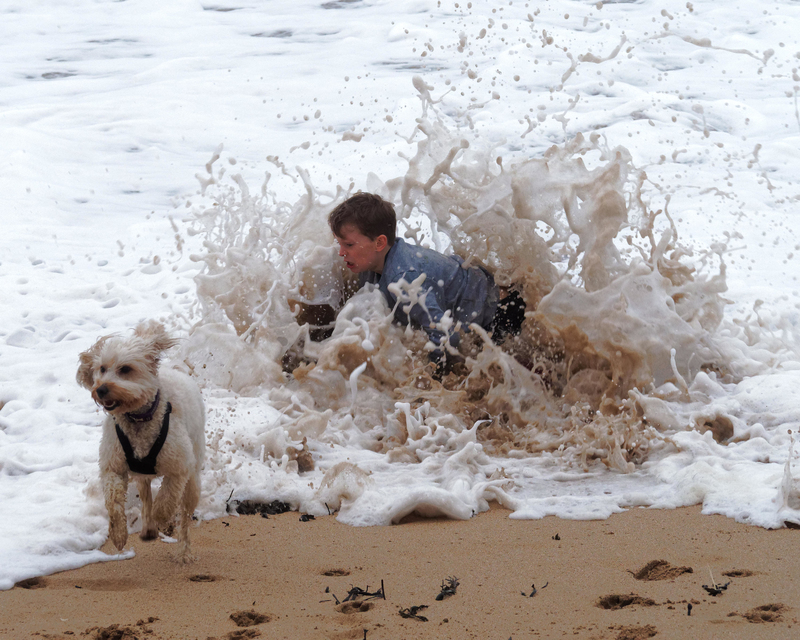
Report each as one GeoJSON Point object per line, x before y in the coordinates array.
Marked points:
{"type": "Point", "coordinates": [469, 293]}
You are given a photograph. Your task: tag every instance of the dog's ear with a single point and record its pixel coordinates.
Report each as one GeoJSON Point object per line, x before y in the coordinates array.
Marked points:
{"type": "Point", "coordinates": [86, 366]}
{"type": "Point", "coordinates": [155, 339]}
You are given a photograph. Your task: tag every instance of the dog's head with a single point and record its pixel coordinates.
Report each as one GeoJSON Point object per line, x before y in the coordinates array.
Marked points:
{"type": "Point", "coordinates": [122, 373]}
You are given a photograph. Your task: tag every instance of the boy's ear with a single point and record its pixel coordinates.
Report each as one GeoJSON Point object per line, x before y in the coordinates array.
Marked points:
{"type": "Point", "coordinates": [381, 242]}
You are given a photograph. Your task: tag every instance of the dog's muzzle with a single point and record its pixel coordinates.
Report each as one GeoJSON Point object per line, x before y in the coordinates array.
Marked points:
{"type": "Point", "coordinates": [100, 393]}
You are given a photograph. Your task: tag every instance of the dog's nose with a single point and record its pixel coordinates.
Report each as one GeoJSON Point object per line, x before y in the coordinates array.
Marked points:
{"type": "Point", "coordinates": [101, 391]}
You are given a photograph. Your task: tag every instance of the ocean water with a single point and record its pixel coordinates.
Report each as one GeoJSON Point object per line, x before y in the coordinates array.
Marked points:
{"type": "Point", "coordinates": [632, 166]}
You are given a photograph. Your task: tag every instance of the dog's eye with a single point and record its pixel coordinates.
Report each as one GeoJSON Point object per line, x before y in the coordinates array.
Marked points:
{"type": "Point", "coordinates": [102, 369]}
{"type": "Point", "coordinates": [124, 369]}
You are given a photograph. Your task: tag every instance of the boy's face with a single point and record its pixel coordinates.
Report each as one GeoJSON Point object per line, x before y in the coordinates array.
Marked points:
{"type": "Point", "coordinates": [359, 252]}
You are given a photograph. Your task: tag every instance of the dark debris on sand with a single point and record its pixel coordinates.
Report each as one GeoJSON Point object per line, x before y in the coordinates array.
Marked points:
{"type": "Point", "coordinates": [534, 590]}
{"type": "Point", "coordinates": [616, 602]}
{"type": "Point", "coordinates": [449, 586]}
{"type": "Point", "coordinates": [413, 613]}
{"type": "Point", "coordinates": [716, 589]}
{"type": "Point", "coordinates": [264, 509]}
{"type": "Point", "coordinates": [356, 593]}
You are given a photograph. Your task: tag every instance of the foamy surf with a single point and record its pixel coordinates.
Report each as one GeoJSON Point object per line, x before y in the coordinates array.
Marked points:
{"type": "Point", "coordinates": [626, 364]}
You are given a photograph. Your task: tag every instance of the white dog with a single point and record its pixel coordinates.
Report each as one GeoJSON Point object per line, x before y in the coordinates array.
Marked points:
{"type": "Point", "coordinates": [154, 426]}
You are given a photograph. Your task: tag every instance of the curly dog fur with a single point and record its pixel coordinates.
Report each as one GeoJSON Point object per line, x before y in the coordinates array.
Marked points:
{"type": "Point", "coordinates": [124, 378]}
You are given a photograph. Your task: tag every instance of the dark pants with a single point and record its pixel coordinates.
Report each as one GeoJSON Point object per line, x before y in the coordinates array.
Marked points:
{"type": "Point", "coordinates": [508, 318]}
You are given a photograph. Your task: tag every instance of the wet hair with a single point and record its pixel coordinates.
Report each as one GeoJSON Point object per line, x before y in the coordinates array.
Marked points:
{"type": "Point", "coordinates": [370, 214]}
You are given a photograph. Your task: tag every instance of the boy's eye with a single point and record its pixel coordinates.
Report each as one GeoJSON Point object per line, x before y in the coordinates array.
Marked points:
{"type": "Point", "coordinates": [125, 369]}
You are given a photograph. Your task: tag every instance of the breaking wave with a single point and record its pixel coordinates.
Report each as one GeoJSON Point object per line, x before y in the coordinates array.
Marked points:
{"type": "Point", "coordinates": [625, 343]}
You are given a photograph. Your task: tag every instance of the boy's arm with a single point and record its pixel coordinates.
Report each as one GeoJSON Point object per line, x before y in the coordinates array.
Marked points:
{"type": "Point", "coordinates": [428, 317]}
{"type": "Point", "coordinates": [420, 305]}
{"type": "Point", "coordinates": [443, 361]}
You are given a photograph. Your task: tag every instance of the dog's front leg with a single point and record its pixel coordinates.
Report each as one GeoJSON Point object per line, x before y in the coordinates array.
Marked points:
{"type": "Point", "coordinates": [115, 489]}
{"type": "Point", "coordinates": [191, 496]}
{"type": "Point", "coordinates": [168, 497]}
{"type": "Point", "coordinates": [149, 528]}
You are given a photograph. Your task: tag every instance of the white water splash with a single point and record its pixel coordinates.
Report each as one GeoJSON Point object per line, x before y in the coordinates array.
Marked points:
{"type": "Point", "coordinates": [625, 347]}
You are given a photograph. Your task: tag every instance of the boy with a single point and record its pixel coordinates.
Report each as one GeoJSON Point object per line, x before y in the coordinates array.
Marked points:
{"type": "Point", "coordinates": [364, 226]}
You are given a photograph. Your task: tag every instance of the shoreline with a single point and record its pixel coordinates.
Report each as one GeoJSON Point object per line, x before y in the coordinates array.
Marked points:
{"type": "Point", "coordinates": [280, 567]}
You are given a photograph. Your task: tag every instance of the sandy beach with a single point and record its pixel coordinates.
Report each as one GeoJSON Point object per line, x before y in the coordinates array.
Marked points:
{"type": "Point", "coordinates": [632, 576]}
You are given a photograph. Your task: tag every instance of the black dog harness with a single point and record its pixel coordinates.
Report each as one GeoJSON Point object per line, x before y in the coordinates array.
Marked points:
{"type": "Point", "coordinates": [147, 465]}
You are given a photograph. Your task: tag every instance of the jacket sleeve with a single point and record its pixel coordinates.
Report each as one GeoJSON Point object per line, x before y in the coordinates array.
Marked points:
{"type": "Point", "coordinates": [428, 316]}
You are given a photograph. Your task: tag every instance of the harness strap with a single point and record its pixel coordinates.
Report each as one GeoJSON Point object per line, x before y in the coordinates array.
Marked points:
{"type": "Point", "coordinates": [147, 465]}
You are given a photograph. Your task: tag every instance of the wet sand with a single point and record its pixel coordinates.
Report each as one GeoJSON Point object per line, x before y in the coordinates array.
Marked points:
{"type": "Point", "coordinates": [280, 577]}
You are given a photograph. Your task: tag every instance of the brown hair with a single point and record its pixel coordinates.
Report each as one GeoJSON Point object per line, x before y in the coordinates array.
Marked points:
{"type": "Point", "coordinates": [370, 214]}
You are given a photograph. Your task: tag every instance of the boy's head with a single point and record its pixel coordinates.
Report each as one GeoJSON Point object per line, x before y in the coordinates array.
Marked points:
{"type": "Point", "coordinates": [370, 214]}
{"type": "Point", "coordinates": [364, 226]}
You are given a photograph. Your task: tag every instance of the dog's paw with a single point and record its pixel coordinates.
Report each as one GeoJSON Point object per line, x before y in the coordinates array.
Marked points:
{"type": "Point", "coordinates": [184, 554]}
{"type": "Point", "coordinates": [118, 532]}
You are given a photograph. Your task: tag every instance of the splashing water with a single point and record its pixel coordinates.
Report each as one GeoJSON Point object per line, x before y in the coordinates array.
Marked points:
{"type": "Point", "coordinates": [623, 348]}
